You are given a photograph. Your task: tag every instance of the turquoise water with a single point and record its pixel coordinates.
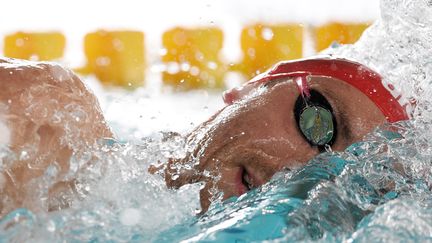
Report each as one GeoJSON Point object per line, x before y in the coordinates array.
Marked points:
{"type": "Point", "coordinates": [336, 197]}
{"type": "Point", "coordinates": [377, 190]}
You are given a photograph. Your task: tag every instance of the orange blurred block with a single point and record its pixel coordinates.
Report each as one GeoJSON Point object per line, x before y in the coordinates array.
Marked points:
{"type": "Point", "coordinates": [338, 32]}
{"type": "Point", "coordinates": [265, 45]}
{"type": "Point", "coordinates": [115, 57]}
{"type": "Point", "coordinates": [35, 46]}
{"type": "Point", "coordinates": [192, 58]}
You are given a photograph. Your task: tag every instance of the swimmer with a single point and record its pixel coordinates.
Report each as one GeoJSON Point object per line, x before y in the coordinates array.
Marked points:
{"type": "Point", "coordinates": [279, 120]}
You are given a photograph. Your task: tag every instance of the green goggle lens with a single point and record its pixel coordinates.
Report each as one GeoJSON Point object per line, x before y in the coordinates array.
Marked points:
{"type": "Point", "coordinates": [316, 123]}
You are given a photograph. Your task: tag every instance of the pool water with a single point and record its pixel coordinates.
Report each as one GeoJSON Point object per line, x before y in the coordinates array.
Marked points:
{"type": "Point", "coordinates": [377, 190]}
{"type": "Point", "coordinates": [366, 193]}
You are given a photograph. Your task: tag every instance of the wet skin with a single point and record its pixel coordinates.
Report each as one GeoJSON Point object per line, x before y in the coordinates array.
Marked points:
{"type": "Point", "coordinates": [240, 147]}
{"type": "Point", "coordinates": [246, 143]}
{"type": "Point", "coordinates": [37, 103]}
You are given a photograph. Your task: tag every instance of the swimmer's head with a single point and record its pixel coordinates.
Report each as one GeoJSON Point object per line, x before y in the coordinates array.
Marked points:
{"type": "Point", "coordinates": [302, 71]}
{"type": "Point", "coordinates": [282, 119]}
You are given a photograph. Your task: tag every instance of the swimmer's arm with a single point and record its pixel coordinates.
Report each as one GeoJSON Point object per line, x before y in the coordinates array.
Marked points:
{"type": "Point", "coordinates": [49, 115]}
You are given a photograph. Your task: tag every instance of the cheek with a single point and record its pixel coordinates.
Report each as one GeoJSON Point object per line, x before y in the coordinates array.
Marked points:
{"type": "Point", "coordinates": [354, 130]}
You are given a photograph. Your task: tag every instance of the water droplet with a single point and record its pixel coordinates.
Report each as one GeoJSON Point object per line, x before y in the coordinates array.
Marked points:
{"type": "Point", "coordinates": [185, 66]}
{"type": "Point", "coordinates": [267, 34]}
{"type": "Point", "coordinates": [103, 61]}
{"type": "Point", "coordinates": [51, 226]}
{"type": "Point", "coordinates": [24, 155]}
{"type": "Point", "coordinates": [19, 42]}
{"type": "Point", "coordinates": [251, 53]}
{"type": "Point", "coordinates": [194, 71]}
{"type": "Point", "coordinates": [172, 68]}
{"type": "Point", "coordinates": [34, 57]}
{"type": "Point", "coordinates": [212, 65]}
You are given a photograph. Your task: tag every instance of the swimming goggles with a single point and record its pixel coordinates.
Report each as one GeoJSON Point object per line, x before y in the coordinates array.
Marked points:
{"type": "Point", "coordinates": [314, 115]}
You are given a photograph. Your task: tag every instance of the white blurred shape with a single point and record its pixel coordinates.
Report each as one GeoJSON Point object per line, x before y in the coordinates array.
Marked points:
{"type": "Point", "coordinates": [4, 134]}
{"type": "Point", "coordinates": [130, 216]}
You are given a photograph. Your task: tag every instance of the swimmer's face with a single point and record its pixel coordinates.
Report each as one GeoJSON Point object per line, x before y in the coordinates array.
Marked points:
{"type": "Point", "coordinates": [245, 144]}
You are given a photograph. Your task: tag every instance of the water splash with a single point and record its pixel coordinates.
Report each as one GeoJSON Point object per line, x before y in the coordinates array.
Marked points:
{"type": "Point", "coordinates": [367, 190]}
{"type": "Point", "coordinates": [378, 189]}
{"type": "Point", "coordinates": [114, 198]}
{"type": "Point", "coordinates": [398, 46]}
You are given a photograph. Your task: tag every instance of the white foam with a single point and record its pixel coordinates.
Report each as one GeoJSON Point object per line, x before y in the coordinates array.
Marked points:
{"type": "Point", "coordinates": [130, 216]}
{"type": "Point", "coordinates": [399, 47]}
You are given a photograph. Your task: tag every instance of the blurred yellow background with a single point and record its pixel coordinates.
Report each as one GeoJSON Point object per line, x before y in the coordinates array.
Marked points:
{"type": "Point", "coordinates": [192, 54]}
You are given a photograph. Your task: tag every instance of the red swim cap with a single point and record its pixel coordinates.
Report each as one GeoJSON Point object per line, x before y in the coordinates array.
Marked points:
{"type": "Point", "coordinates": [359, 76]}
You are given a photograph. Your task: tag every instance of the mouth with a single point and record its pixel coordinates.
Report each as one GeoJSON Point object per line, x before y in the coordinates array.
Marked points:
{"type": "Point", "coordinates": [246, 181]}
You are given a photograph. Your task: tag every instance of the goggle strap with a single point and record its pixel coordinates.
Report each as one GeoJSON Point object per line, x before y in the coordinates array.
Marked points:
{"type": "Point", "coordinates": [303, 86]}
{"type": "Point", "coordinates": [301, 82]}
